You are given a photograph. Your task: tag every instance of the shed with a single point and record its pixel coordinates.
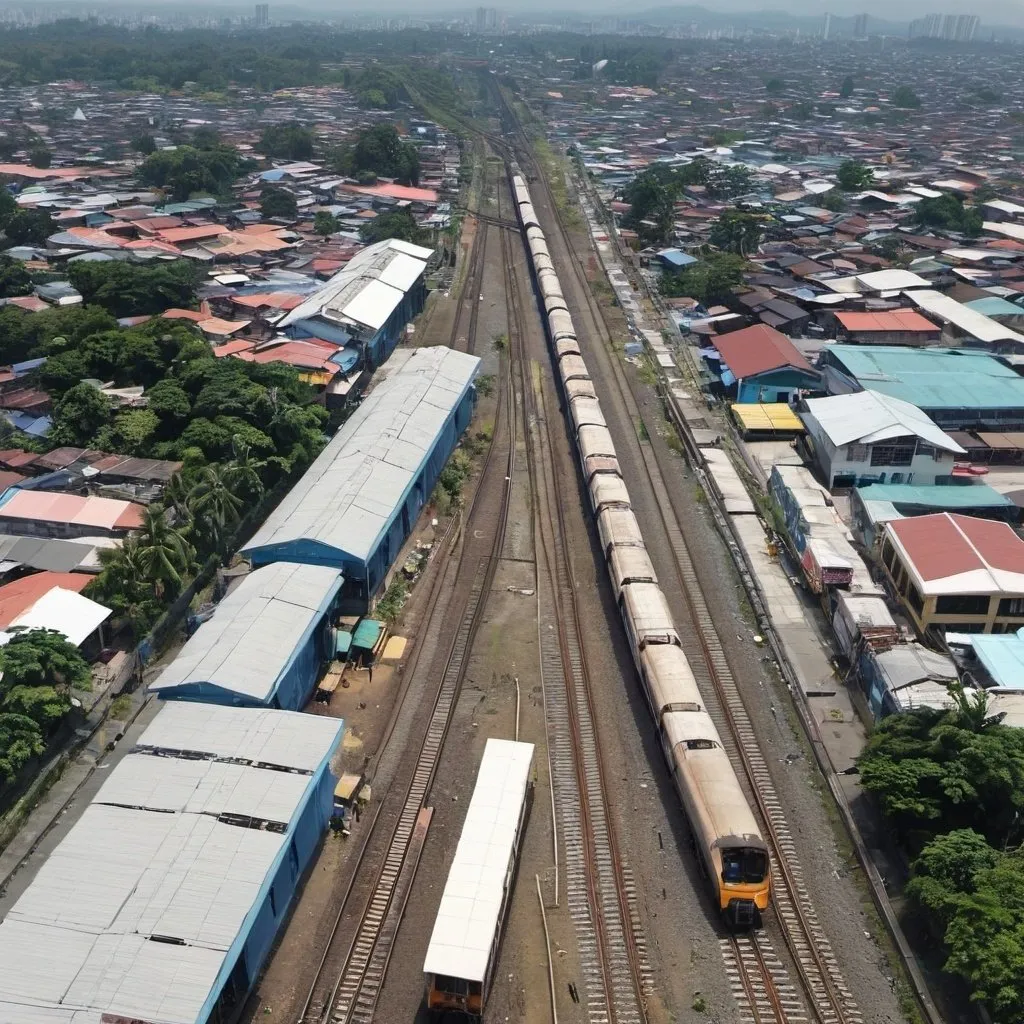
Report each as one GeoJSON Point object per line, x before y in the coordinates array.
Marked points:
{"type": "Point", "coordinates": [165, 897]}
{"type": "Point", "coordinates": [264, 644]}
{"type": "Point", "coordinates": [358, 502]}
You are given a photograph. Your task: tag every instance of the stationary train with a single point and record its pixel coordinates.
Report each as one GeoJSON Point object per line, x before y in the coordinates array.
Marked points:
{"type": "Point", "coordinates": [729, 844]}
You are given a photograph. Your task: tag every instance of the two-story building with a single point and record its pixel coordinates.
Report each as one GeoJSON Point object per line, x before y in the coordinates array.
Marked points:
{"type": "Point", "coordinates": [868, 437]}
{"type": "Point", "coordinates": [956, 574]}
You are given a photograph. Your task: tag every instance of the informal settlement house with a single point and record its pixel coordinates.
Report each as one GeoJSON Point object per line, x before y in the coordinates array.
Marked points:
{"type": "Point", "coordinates": [956, 574]}
{"type": "Point", "coordinates": [164, 899]}
{"type": "Point", "coordinates": [265, 644]}
{"type": "Point", "coordinates": [760, 364]}
{"type": "Point", "coordinates": [870, 437]}
{"type": "Point", "coordinates": [368, 302]}
{"type": "Point", "coordinates": [355, 506]}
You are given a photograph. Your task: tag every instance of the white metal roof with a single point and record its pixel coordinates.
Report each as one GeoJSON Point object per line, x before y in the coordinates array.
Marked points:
{"type": "Point", "coordinates": [970, 321]}
{"type": "Point", "coordinates": [870, 416]}
{"type": "Point", "coordinates": [464, 931]}
{"type": "Point", "coordinates": [153, 858]}
{"type": "Point", "coordinates": [892, 279]}
{"type": "Point", "coordinates": [349, 495]}
{"type": "Point", "coordinates": [254, 631]}
{"type": "Point", "coordinates": [368, 288]}
{"type": "Point", "coordinates": [64, 610]}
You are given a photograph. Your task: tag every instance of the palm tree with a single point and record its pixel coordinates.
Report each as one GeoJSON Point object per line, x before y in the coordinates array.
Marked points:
{"type": "Point", "coordinates": [176, 497]}
{"type": "Point", "coordinates": [971, 708]}
{"type": "Point", "coordinates": [214, 504]}
{"type": "Point", "coordinates": [243, 471]}
{"type": "Point", "coordinates": [164, 554]}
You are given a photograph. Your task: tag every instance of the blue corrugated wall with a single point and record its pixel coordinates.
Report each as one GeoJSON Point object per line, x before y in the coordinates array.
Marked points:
{"type": "Point", "coordinates": [251, 947]}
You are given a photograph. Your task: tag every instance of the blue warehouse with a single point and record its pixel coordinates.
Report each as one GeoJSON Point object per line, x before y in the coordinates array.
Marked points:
{"type": "Point", "coordinates": [355, 506]}
{"type": "Point", "coordinates": [264, 645]}
{"type": "Point", "coordinates": [164, 899]}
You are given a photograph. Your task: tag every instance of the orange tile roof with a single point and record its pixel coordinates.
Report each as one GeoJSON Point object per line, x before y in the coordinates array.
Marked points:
{"type": "Point", "coordinates": [177, 235]}
{"type": "Point", "coordinates": [421, 195]}
{"type": "Point", "coordinates": [183, 314]}
{"type": "Point", "coordinates": [214, 325]}
{"type": "Point", "coordinates": [16, 598]}
{"type": "Point", "coordinates": [47, 506]}
{"type": "Point", "coordinates": [894, 320]}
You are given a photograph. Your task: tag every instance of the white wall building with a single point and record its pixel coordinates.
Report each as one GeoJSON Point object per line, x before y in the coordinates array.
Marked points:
{"type": "Point", "coordinates": [869, 437]}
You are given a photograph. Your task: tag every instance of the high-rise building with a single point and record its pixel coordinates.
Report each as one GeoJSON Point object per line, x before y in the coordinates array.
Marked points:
{"type": "Point", "coordinates": [966, 28]}
{"type": "Point", "coordinates": [486, 19]}
{"type": "Point", "coordinates": [827, 28]}
{"type": "Point", "coordinates": [262, 15]}
{"type": "Point", "coordinates": [860, 26]}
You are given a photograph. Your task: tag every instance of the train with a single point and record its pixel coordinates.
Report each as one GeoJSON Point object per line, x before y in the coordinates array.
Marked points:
{"type": "Point", "coordinates": [727, 840]}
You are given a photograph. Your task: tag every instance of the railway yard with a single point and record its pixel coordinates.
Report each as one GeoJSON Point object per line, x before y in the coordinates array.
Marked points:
{"type": "Point", "coordinates": [675, 854]}
{"type": "Point", "coordinates": [516, 633]}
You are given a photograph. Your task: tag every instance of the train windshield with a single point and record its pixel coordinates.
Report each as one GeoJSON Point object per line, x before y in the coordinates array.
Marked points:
{"type": "Point", "coordinates": [744, 865]}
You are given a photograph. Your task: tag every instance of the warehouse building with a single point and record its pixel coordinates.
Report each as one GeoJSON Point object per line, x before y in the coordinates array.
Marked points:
{"type": "Point", "coordinates": [356, 505]}
{"type": "Point", "coordinates": [265, 643]}
{"type": "Point", "coordinates": [959, 389]}
{"type": "Point", "coordinates": [164, 899]}
{"type": "Point", "coordinates": [369, 301]}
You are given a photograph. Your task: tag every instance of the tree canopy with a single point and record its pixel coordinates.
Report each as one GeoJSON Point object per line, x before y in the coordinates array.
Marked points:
{"type": "Point", "coordinates": [381, 151]}
{"type": "Point", "coordinates": [30, 227]}
{"type": "Point", "coordinates": [905, 98]}
{"type": "Point", "coordinates": [279, 202]}
{"type": "Point", "coordinates": [288, 141]}
{"type": "Point", "coordinates": [133, 289]}
{"type": "Point", "coordinates": [738, 231]}
{"type": "Point", "coordinates": [186, 170]}
{"type": "Point", "coordinates": [399, 224]}
{"type": "Point", "coordinates": [949, 214]}
{"type": "Point", "coordinates": [325, 223]}
{"type": "Point", "coordinates": [854, 176]}
{"type": "Point", "coordinates": [710, 280]}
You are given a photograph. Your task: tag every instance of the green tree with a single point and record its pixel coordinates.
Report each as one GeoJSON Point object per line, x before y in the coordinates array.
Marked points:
{"type": "Point", "coordinates": [130, 433]}
{"type": "Point", "coordinates": [79, 415]}
{"type": "Point", "coordinates": [132, 289]}
{"type": "Point", "coordinates": [949, 866]}
{"type": "Point", "coordinates": [325, 223]}
{"type": "Point", "coordinates": [905, 98]}
{"type": "Point", "coordinates": [399, 224]}
{"type": "Point", "coordinates": [214, 506]}
{"type": "Point", "coordinates": [288, 141]}
{"type": "Point", "coordinates": [738, 231]}
{"type": "Point", "coordinates": [40, 156]}
{"type": "Point", "coordinates": [833, 201]}
{"type": "Point", "coordinates": [279, 202]}
{"type": "Point", "coordinates": [854, 176]}
{"type": "Point", "coordinates": [710, 280]}
{"type": "Point", "coordinates": [14, 278]}
{"type": "Point", "coordinates": [20, 741]}
{"type": "Point", "coordinates": [42, 658]}
{"type": "Point", "coordinates": [382, 151]}
{"type": "Point", "coordinates": [846, 89]}
{"type": "Point", "coordinates": [187, 170]}
{"type": "Point", "coordinates": [30, 227]}
{"type": "Point", "coordinates": [171, 404]}
{"type": "Point", "coordinates": [8, 207]}
{"type": "Point", "coordinates": [947, 213]}
{"type": "Point", "coordinates": [144, 144]}
{"type": "Point", "coordinates": [243, 472]}
{"type": "Point", "coordinates": [164, 555]}
{"type": "Point", "coordinates": [775, 86]}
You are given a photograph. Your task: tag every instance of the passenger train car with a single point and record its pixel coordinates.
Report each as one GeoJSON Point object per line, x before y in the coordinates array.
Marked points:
{"type": "Point", "coordinates": [732, 852]}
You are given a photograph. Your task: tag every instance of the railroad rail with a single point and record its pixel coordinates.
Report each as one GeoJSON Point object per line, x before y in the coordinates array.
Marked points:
{"type": "Point", "coordinates": [600, 892]}
{"type": "Point", "coordinates": [350, 977]}
{"type": "Point", "coordinates": [829, 1000]}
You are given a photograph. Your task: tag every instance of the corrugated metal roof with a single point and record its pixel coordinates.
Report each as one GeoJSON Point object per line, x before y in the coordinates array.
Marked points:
{"type": "Point", "coordinates": [933, 378]}
{"type": "Point", "coordinates": [467, 920]}
{"type": "Point", "coordinates": [346, 499]}
{"type": "Point", "coordinates": [81, 936]}
{"type": "Point", "coordinates": [941, 496]}
{"type": "Point", "coordinates": [970, 321]}
{"type": "Point", "coordinates": [869, 416]}
{"type": "Point", "coordinates": [759, 349]}
{"type": "Point", "coordinates": [50, 506]}
{"type": "Point", "coordinates": [63, 610]}
{"type": "Point", "coordinates": [255, 630]}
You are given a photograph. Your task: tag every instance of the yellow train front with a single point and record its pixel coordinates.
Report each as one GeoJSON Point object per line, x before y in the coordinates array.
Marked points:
{"type": "Point", "coordinates": [726, 836]}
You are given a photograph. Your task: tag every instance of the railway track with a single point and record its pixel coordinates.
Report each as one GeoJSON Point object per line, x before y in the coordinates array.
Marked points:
{"type": "Point", "coordinates": [600, 892]}
{"type": "Point", "coordinates": [351, 975]}
{"type": "Point", "coordinates": [826, 997]}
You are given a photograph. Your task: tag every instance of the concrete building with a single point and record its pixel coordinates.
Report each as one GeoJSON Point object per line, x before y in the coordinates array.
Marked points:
{"type": "Point", "coordinates": [368, 303]}
{"type": "Point", "coordinates": [358, 502]}
{"type": "Point", "coordinates": [165, 898]}
{"type": "Point", "coordinates": [956, 574]}
{"type": "Point", "coordinates": [869, 437]}
{"type": "Point", "coordinates": [760, 364]}
{"type": "Point", "coordinates": [264, 645]}
{"type": "Point", "coordinates": [959, 389]}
